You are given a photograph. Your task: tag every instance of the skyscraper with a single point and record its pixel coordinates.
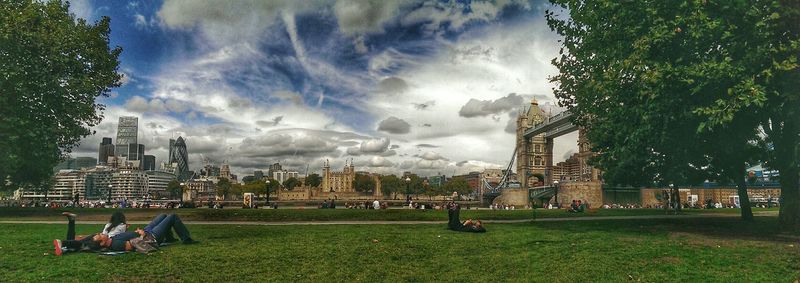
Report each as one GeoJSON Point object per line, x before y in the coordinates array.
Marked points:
{"type": "Point", "coordinates": [149, 163]}
{"type": "Point", "coordinates": [171, 146]}
{"type": "Point", "coordinates": [127, 134]}
{"type": "Point", "coordinates": [106, 149]}
{"type": "Point", "coordinates": [181, 157]}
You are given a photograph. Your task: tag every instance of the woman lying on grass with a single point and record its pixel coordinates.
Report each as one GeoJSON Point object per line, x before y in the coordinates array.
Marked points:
{"type": "Point", "coordinates": [455, 224]}
{"type": "Point", "coordinates": [143, 240]}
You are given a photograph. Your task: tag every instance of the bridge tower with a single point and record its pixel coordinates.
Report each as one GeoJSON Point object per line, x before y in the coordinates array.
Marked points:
{"type": "Point", "coordinates": [532, 153]}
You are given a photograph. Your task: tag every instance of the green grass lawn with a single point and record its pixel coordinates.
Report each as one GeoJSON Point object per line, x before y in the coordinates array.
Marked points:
{"type": "Point", "coordinates": [272, 215]}
{"type": "Point", "coordinates": [666, 250]}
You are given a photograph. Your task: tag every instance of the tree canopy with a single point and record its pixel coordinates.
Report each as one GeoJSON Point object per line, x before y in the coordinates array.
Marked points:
{"type": "Point", "coordinates": [313, 180]}
{"type": "Point", "coordinates": [52, 68]}
{"type": "Point", "coordinates": [679, 92]}
{"type": "Point", "coordinates": [364, 183]}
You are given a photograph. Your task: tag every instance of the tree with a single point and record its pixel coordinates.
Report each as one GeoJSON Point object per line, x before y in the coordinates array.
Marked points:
{"type": "Point", "coordinates": [249, 179]}
{"type": "Point", "coordinates": [459, 185]}
{"type": "Point", "coordinates": [391, 185]}
{"type": "Point", "coordinates": [291, 183]}
{"type": "Point", "coordinates": [224, 188]}
{"type": "Point", "coordinates": [676, 92]}
{"type": "Point", "coordinates": [364, 183]}
{"type": "Point", "coordinates": [174, 188]}
{"type": "Point", "coordinates": [52, 66]}
{"type": "Point", "coordinates": [313, 180]}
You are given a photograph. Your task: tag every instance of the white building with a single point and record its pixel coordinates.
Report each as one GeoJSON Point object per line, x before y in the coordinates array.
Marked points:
{"type": "Point", "coordinates": [283, 175]}
{"type": "Point", "coordinates": [157, 182]}
{"type": "Point", "coordinates": [128, 184]}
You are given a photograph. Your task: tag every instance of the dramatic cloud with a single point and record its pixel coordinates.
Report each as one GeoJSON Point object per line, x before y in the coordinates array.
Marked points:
{"type": "Point", "coordinates": [475, 108]}
{"type": "Point", "coordinates": [255, 82]}
{"type": "Point", "coordinates": [394, 125]}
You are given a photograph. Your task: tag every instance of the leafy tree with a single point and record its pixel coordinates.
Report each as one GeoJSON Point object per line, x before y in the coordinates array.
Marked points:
{"type": "Point", "coordinates": [174, 188]}
{"type": "Point", "coordinates": [457, 184]}
{"type": "Point", "coordinates": [249, 179]}
{"type": "Point", "coordinates": [52, 66]}
{"type": "Point", "coordinates": [313, 180]}
{"type": "Point", "coordinates": [391, 185]}
{"type": "Point", "coordinates": [291, 183]}
{"type": "Point", "coordinates": [364, 183]}
{"type": "Point", "coordinates": [224, 188]}
{"type": "Point", "coordinates": [677, 92]}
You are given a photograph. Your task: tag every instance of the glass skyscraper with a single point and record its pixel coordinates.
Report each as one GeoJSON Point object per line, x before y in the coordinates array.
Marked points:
{"type": "Point", "coordinates": [127, 134]}
{"type": "Point", "coordinates": [179, 155]}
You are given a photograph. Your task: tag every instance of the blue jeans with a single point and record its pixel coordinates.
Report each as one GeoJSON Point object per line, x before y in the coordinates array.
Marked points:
{"type": "Point", "coordinates": [162, 225]}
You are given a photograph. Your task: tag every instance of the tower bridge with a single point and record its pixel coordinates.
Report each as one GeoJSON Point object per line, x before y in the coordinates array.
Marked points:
{"type": "Point", "coordinates": [538, 180]}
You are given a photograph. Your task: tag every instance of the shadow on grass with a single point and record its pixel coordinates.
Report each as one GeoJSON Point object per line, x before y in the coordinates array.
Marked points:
{"type": "Point", "coordinates": [760, 229]}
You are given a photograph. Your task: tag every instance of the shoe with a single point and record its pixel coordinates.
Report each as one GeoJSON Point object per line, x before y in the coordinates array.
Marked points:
{"type": "Point", "coordinates": [69, 215]}
{"type": "Point", "coordinates": [190, 242]}
{"type": "Point", "coordinates": [57, 243]}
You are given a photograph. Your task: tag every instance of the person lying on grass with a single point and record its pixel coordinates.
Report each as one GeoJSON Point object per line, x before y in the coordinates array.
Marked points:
{"type": "Point", "coordinates": [455, 224]}
{"type": "Point", "coordinates": [93, 242]}
{"type": "Point", "coordinates": [142, 240]}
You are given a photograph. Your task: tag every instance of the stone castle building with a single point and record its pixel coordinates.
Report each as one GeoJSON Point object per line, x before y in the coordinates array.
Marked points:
{"type": "Point", "coordinates": [339, 182]}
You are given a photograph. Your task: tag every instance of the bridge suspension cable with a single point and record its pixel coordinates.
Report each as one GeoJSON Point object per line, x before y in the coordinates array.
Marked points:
{"type": "Point", "coordinates": [503, 180]}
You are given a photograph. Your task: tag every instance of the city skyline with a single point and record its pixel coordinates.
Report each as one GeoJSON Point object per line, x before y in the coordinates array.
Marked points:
{"type": "Point", "coordinates": [423, 87]}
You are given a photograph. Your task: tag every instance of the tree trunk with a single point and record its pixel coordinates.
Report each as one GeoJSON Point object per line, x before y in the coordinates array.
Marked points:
{"type": "Point", "coordinates": [789, 217]}
{"type": "Point", "coordinates": [744, 200]}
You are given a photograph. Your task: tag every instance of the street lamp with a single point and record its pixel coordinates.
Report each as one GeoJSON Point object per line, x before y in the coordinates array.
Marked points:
{"type": "Point", "coordinates": [183, 190]}
{"type": "Point", "coordinates": [408, 190]}
{"type": "Point", "coordinates": [673, 198]}
{"type": "Point", "coordinates": [110, 187]}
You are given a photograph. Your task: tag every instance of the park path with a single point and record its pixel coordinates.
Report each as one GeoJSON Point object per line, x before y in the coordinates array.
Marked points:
{"type": "Point", "coordinates": [264, 223]}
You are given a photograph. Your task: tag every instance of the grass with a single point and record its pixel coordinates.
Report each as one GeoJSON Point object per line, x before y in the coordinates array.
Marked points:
{"type": "Point", "coordinates": [281, 215]}
{"type": "Point", "coordinates": [665, 250]}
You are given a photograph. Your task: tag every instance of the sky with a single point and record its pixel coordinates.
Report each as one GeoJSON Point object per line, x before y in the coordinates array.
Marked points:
{"type": "Point", "coordinates": [431, 87]}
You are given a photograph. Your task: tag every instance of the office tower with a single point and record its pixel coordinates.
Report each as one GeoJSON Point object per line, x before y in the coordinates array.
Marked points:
{"type": "Point", "coordinates": [149, 163]}
{"type": "Point", "coordinates": [258, 174]}
{"type": "Point", "coordinates": [274, 168]}
{"type": "Point", "coordinates": [127, 134]}
{"type": "Point", "coordinates": [106, 149]}
{"type": "Point", "coordinates": [171, 146]}
{"type": "Point", "coordinates": [181, 157]}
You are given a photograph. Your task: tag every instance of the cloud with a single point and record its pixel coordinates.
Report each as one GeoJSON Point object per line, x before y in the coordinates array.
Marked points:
{"type": "Point", "coordinates": [359, 17]}
{"type": "Point", "coordinates": [424, 105]}
{"type": "Point", "coordinates": [568, 154]}
{"type": "Point", "coordinates": [429, 155]}
{"type": "Point", "coordinates": [359, 45]}
{"type": "Point", "coordinates": [393, 85]}
{"type": "Point", "coordinates": [291, 96]}
{"type": "Point", "coordinates": [82, 9]}
{"type": "Point", "coordinates": [425, 145]}
{"type": "Point", "coordinates": [375, 161]}
{"type": "Point", "coordinates": [394, 125]}
{"type": "Point", "coordinates": [373, 147]}
{"type": "Point", "coordinates": [475, 108]}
